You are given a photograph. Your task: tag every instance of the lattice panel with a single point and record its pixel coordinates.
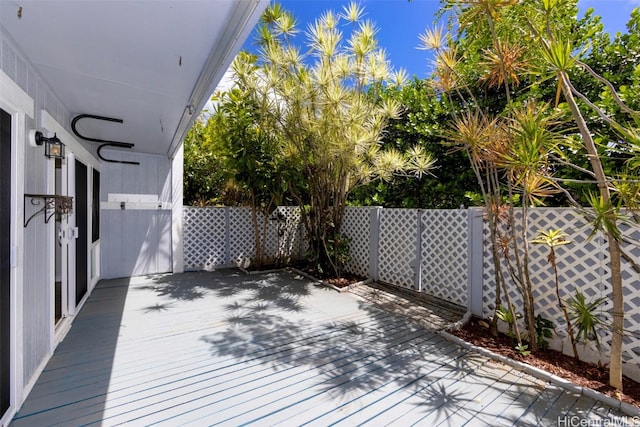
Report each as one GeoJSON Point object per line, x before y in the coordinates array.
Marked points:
{"type": "Point", "coordinates": [356, 226]}
{"type": "Point", "coordinates": [271, 246]}
{"type": "Point", "coordinates": [445, 256]}
{"type": "Point", "coordinates": [631, 280]}
{"type": "Point", "coordinates": [398, 246]}
{"type": "Point", "coordinates": [241, 236]}
{"type": "Point", "coordinates": [582, 265]}
{"type": "Point", "coordinates": [489, 279]}
{"type": "Point", "coordinates": [204, 238]}
{"type": "Point", "coordinates": [288, 238]}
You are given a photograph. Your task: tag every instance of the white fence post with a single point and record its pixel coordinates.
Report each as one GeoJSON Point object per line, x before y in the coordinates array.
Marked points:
{"type": "Point", "coordinates": [374, 242]}
{"type": "Point", "coordinates": [475, 248]}
{"type": "Point", "coordinates": [227, 236]}
{"type": "Point", "coordinates": [417, 269]}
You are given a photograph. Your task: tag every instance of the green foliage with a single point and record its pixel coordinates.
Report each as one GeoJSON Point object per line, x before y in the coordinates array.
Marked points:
{"type": "Point", "coordinates": [420, 123]}
{"type": "Point", "coordinates": [247, 149]}
{"type": "Point", "coordinates": [604, 215]}
{"type": "Point", "coordinates": [551, 238]}
{"type": "Point", "coordinates": [203, 175]}
{"type": "Point", "coordinates": [505, 315]}
{"type": "Point", "coordinates": [508, 317]}
{"type": "Point", "coordinates": [523, 349]}
{"type": "Point", "coordinates": [586, 317]}
{"type": "Point", "coordinates": [339, 247]}
{"type": "Point", "coordinates": [544, 331]}
{"type": "Point", "coordinates": [247, 152]}
{"type": "Point", "coordinates": [318, 110]}
{"type": "Point", "coordinates": [537, 52]}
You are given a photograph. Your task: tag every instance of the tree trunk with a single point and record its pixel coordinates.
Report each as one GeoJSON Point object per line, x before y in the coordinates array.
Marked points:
{"type": "Point", "coordinates": [615, 362]}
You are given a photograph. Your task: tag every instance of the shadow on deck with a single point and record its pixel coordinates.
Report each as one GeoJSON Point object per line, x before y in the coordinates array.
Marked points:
{"type": "Point", "coordinates": [224, 348]}
{"type": "Point", "coordinates": [429, 312]}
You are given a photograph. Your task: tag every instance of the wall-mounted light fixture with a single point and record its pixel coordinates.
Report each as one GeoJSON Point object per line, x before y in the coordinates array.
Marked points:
{"type": "Point", "coordinates": [53, 147]}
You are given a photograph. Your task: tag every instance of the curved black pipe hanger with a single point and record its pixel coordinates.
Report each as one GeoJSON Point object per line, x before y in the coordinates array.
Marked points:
{"type": "Point", "coordinates": [104, 142]}
{"type": "Point", "coordinates": [115, 144]}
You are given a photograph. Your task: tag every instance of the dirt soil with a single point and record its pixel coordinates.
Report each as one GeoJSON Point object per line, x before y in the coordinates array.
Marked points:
{"type": "Point", "coordinates": [342, 282]}
{"type": "Point", "coordinates": [579, 373]}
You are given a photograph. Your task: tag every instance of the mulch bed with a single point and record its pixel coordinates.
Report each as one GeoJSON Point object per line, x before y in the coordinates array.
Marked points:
{"type": "Point", "coordinates": [554, 362]}
{"type": "Point", "coordinates": [339, 282]}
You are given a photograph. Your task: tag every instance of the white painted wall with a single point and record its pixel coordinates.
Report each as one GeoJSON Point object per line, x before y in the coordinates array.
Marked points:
{"type": "Point", "coordinates": [33, 105]}
{"type": "Point", "coordinates": [136, 240]}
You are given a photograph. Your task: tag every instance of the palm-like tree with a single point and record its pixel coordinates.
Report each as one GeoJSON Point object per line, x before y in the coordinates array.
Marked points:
{"type": "Point", "coordinates": [558, 54]}
{"type": "Point", "coordinates": [547, 26]}
{"type": "Point", "coordinates": [322, 103]}
{"type": "Point", "coordinates": [552, 239]}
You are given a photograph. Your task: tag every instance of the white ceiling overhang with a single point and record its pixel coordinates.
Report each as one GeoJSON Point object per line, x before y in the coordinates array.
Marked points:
{"type": "Point", "coordinates": [151, 63]}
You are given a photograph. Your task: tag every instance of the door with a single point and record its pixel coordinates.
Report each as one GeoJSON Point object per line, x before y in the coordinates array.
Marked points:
{"type": "Point", "coordinates": [5, 260]}
{"type": "Point", "coordinates": [61, 230]}
{"type": "Point", "coordinates": [82, 222]}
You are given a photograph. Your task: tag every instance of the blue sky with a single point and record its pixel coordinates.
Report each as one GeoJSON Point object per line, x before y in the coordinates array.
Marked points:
{"type": "Point", "coordinates": [400, 22]}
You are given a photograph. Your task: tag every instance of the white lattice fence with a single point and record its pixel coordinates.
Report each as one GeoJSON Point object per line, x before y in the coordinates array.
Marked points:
{"type": "Point", "coordinates": [241, 240]}
{"type": "Point", "coordinates": [631, 279]}
{"type": "Point", "coordinates": [582, 265]}
{"type": "Point", "coordinates": [445, 254]}
{"type": "Point", "coordinates": [287, 240]}
{"type": "Point", "coordinates": [356, 225]}
{"type": "Point", "coordinates": [205, 233]}
{"type": "Point", "coordinates": [435, 246]}
{"type": "Point", "coordinates": [224, 236]}
{"type": "Point", "coordinates": [398, 252]}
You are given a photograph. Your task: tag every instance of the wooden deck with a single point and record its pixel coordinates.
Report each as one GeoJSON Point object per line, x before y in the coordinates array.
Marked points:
{"type": "Point", "coordinates": [224, 348]}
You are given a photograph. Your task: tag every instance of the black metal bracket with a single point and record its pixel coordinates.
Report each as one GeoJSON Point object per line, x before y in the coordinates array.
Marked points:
{"type": "Point", "coordinates": [105, 143]}
{"type": "Point", "coordinates": [50, 204]}
{"type": "Point", "coordinates": [116, 144]}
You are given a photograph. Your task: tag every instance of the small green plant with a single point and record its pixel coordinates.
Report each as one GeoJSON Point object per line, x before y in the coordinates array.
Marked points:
{"type": "Point", "coordinates": [523, 349]}
{"type": "Point", "coordinates": [508, 317]}
{"type": "Point", "coordinates": [552, 239]}
{"type": "Point", "coordinates": [544, 331]}
{"type": "Point", "coordinates": [586, 318]}
{"type": "Point", "coordinates": [338, 248]}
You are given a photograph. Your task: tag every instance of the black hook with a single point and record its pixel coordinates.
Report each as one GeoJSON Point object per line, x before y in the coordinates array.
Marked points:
{"type": "Point", "coordinates": [116, 144]}
{"type": "Point", "coordinates": [105, 143]}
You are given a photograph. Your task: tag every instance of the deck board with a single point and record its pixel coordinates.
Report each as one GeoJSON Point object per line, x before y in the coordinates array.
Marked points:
{"type": "Point", "coordinates": [223, 348]}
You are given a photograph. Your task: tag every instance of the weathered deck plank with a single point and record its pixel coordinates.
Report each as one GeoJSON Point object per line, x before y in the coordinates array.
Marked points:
{"type": "Point", "coordinates": [224, 348]}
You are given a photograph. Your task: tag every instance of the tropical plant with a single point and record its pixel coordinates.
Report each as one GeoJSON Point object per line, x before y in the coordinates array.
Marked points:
{"type": "Point", "coordinates": [544, 331]}
{"type": "Point", "coordinates": [515, 145]}
{"type": "Point", "coordinates": [328, 123]}
{"type": "Point", "coordinates": [523, 349]}
{"type": "Point", "coordinates": [339, 247]}
{"type": "Point", "coordinates": [510, 318]}
{"type": "Point", "coordinates": [203, 177]}
{"type": "Point", "coordinates": [525, 47]}
{"type": "Point", "coordinates": [419, 123]}
{"type": "Point", "coordinates": [248, 151]}
{"type": "Point", "coordinates": [561, 56]}
{"type": "Point", "coordinates": [586, 317]}
{"type": "Point", "coordinates": [552, 239]}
